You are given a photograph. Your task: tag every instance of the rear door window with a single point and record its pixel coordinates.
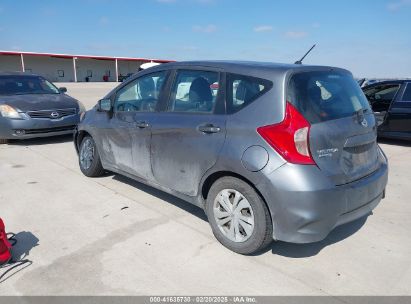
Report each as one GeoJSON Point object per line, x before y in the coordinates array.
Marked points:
{"type": "Point", "coordinates": [243, 90]}
{"type": "Point", "coordinates": [381, 96]}
{"type": "Point", "coordinates": [194, 91]}
{"type": "Point", "coordinates": [325, 95]}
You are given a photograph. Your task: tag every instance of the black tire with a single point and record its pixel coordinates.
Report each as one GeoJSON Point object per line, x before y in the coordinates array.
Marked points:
{"type": "Point", "coordinates": [95, 169]}
{"type": "Point", "coordinates": [262, 234]}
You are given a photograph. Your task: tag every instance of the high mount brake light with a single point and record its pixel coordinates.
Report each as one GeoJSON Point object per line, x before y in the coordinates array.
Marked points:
{"type": "Point", "coordinates": [290, 137]}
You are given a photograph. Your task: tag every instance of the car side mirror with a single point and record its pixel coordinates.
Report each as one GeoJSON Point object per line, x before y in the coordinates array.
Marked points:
{"type": "Point", "coordinates": [104, 105]}
{"type": "Point", "coordinates": [62, 90]}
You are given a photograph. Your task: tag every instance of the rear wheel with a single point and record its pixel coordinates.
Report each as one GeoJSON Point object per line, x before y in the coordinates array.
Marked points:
{"type": "Point", "coordinates": [89, 159]}
{"type": "Point", "coordinates": [238, 216]}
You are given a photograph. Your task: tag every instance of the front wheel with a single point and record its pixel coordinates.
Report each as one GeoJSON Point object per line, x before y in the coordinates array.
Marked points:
{"type": "Point", "coordinates": [238, 216]}
{"type": "Point", "coordinates": [89, 159]}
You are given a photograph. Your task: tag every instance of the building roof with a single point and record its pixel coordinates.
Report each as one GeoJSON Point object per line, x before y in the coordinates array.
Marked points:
{"type": "Point", "coordinates": [70, 56]}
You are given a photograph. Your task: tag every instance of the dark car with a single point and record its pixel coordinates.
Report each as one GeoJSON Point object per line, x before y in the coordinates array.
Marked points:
{"type": "Point", "coordinates": [121, 78]}
{"type": "Point", "coordinates": [365, 81]}
{"type": "Point", "coordinates": [31, 106]}
{"type": "Point", "coordinates": [391, 103]}
{"type": "Point", "coordinates": [270, 151]}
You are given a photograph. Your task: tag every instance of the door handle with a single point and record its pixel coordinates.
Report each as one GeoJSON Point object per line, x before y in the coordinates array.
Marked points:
{"type": "Point", "coordinates": [142, 124]}
{"type": "Point", "coordinates": [209, 128]}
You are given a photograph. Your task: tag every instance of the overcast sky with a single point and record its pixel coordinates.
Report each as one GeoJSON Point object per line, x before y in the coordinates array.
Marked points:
{"type": "Point", "coordinates": [371, 38]}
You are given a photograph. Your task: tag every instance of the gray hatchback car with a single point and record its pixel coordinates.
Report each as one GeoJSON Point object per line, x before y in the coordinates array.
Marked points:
{"type": "Point", "coordinates": [270, 151]}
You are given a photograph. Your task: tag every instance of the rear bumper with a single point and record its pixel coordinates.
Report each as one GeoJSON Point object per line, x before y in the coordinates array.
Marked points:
{"type": "Point", "coordinates": [305, 206]}
{"type": "Point", "coordinates": [32, 128]}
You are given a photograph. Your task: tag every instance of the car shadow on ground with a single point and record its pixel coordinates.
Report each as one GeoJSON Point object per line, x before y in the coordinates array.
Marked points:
{"type": "Point", "coordinates": [171, 199]}
{"type": "Point", "coordinates": [41, 140]}
{"type": "Point", "coordinates": [279, 248]}
{"type": "Point", "coordinates": [394, 142]}
{"type": "Point", "coordinates": [340, 233]}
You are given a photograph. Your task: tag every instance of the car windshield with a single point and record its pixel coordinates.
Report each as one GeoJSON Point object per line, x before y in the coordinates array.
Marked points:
{"type": "Point", "coordinates": [322, 95]}
{"type": "Point", "coordinates": [20, 85]}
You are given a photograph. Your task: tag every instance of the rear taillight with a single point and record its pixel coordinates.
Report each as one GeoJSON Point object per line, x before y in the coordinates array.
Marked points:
{"type": "Point", "coordinates": [290, 137]}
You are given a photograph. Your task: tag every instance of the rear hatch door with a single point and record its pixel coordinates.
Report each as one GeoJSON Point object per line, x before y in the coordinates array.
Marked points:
{"type": "Point", "coordinates": [343, 132]}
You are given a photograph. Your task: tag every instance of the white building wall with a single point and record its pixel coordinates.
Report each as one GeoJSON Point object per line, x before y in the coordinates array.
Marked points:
{"type": "Point", "coordinates": [128, 66]}
{"type": "Point", "coordinates": [98, 69]}
{"type": "Point", "coordinates": [59, 69]}
{"type": "Point", "coordinates": [10, 63]}
{"type": "Point", "coordinates": [54, 69]}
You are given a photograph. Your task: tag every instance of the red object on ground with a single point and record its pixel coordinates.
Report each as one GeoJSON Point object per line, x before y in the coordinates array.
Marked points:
{"type": "Point", "coordinates": [5, 246]}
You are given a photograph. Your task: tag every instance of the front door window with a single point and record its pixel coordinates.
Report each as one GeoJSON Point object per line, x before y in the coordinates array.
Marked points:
{"type": "Point", "coordinates": [141, 95]}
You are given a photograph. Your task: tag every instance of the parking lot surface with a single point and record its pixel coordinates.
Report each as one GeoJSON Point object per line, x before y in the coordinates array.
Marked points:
{"type": "Point", "coordinates": [112, 235]}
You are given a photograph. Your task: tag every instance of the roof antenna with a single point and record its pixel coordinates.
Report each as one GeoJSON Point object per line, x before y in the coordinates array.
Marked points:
{"type": "Point", "coordinates": [301, 60]}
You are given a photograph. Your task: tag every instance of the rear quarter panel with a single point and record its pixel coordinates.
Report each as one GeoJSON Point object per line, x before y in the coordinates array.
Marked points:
{"type": "Point", "coordinates": [242, 130]}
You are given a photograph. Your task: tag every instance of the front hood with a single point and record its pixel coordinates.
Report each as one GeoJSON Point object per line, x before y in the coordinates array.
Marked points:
{"type": "Point", "coordinates": [36, 102]}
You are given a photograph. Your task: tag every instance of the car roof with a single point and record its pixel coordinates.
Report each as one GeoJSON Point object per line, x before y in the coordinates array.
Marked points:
{"type": "Point", "coordinates": [251, 68]}
{"type": "Point", "coordinates": [245, 64]}
{"type": "Point", "coordinates": [394, 81]}
{"type": "Point", "coordinates": [5, 73]}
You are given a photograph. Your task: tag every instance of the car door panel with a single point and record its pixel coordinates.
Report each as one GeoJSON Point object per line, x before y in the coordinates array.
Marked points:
{"type": "Point", "coordinates": [99, 127]}
{"type": "Point", "coordinates": [184, 147]}
{"type": "Point", "coordinates": [188, 136]}
{"type": "Point", "coordinates": [381, 97]}
{"type": "Point", "coordinates": [399, 115]}
{"type": "Point", "coordinates": [128, 133]}
{"type": "Point", "coordinates": [380, 117]}
{"type": "Point", "coordinates": [119, 139]}
{"type": "Point", "coordinates": [141, 141]}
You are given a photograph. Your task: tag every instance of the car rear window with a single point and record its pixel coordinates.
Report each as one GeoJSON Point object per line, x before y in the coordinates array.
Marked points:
{"type": "Point", "coordinates": [326, 95]}
{"type": "Point", "coordinates": [243, 90]}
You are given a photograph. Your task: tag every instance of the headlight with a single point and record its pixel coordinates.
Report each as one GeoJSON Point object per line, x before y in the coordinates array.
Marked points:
{"type": "Point", "coordinates": [10, 112]}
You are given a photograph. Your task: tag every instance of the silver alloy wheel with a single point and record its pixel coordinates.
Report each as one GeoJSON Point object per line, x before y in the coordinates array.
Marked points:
{"type": "Point", "coordinates": [86, 154]}
{"type": "Point", "coordinates": [233, 215]}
